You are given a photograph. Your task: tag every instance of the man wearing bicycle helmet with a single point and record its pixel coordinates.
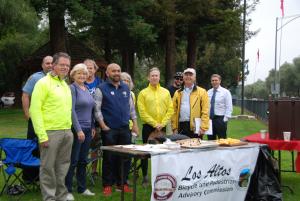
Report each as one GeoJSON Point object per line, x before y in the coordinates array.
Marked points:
{"type": "Point", "coordinates": [176, 83]}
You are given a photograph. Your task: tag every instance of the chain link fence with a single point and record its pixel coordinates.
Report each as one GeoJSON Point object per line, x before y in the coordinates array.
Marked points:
{"type": "Point", "coordinates": [258, 107]}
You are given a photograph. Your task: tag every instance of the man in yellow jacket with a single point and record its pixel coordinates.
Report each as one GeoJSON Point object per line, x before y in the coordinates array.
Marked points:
{"type": "Point", "coordinates": [50, 111]}
{"type": "Point", "coordinates": [155, 108]}
{"type": "Point", "coordinates": [190, 102]}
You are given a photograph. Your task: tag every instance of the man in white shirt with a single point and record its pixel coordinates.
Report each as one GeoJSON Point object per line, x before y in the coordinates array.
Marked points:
{"type": "Point", "coordinates": [220, 107]}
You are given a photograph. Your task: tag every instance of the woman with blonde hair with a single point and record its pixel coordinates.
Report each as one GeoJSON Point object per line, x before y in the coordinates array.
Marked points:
{"type": "Point", "coordinates": [82, 128]}
{"type": "Point", "coordinates": [92, 83]}
{"type": "Point", "coordinates": [126, 78]}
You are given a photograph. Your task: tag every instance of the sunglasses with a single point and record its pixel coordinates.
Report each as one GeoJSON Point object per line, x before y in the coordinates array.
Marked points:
{"type": "Point", "coordinates": [178, 78]}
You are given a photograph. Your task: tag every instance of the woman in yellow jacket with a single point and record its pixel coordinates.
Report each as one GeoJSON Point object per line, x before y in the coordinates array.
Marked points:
{"type": "Point", "coordinates": [155, 109]}
{"type": "Point", "coordinates": [190, 102]}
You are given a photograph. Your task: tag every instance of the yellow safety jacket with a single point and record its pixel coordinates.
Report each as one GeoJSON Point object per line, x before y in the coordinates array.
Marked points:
{"type": "Point", "coordinates": [155, 105]}
{"type": "Point", "coordinates": [51, 106]}
{"type": "Point", "coordinates": [199, 106]}
{"type": "Point", "coordinates": [133, 99]}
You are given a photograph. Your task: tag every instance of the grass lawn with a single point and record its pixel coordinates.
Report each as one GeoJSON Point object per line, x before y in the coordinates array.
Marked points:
{"type": "Point", "coordinates": [13, 124]}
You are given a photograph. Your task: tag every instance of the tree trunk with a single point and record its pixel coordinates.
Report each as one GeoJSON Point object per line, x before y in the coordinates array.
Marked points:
{"type": "Point", "coordinates": [57, 25]}
{"type": "Point", "coordinates": [107, 48]}
{"type": "Point", "coordinates": [170, 53]}
{"type": "Point", "coordinates": [191, 47]}
{"type": "Point", "coordinates": [128, 61]}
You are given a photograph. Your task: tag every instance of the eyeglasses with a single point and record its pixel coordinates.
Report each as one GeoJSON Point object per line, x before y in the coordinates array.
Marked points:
{"type": "Point", "coordinates": [178, 78]}
{"type": "Point", "coordinates": [64, 65]}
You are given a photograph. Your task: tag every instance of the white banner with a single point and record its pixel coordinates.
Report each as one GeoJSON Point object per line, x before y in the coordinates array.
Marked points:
{"type": "Point", "coordinates": [210, 175]}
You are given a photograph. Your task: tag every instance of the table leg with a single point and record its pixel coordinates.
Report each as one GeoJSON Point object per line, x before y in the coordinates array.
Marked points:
{"type": "Point", "coordinates": [135, 173]}
{"type": "Point", "coordinates": [298, 162]}
{"type": "Point", "coordinates": [122, 178]}
{"type": "Point", "coordinates": [293, 162]}
{"type": "Point", "coordinates": [279, 165]}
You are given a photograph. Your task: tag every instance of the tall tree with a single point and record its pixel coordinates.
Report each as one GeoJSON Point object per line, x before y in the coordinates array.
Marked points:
{"type": "Point", "coordinates": [194, 15]}
{"type": "Point", "coordinates": [120, 28]}
{"type": "Point", "coordinates": [56, 12]}
{"type": "Point", "coordinates": [64, 16]}
{"type": "Point", "coordinates": [165, 16]}
{"type": "Point", "coordinates": [19, 35]}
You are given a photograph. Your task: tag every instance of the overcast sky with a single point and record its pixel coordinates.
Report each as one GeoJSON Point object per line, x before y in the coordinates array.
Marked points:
{"type": "Point", "coordinates": [264, 19]}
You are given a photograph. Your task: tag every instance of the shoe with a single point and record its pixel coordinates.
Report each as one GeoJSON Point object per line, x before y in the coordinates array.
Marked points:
{"type": "Point", "coordinates": [70, 197]}
{"type": "Point", "coordinates": [88, 193]}
{"type": "Point", "coordinates": [145, 182]}
{"type": "Point", "coordinates": [127, 189]}
{"type": "Point", "coordinates": [107, 191]}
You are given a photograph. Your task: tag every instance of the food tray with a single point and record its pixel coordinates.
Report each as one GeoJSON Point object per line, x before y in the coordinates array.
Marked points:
{"type": "Point", "coordinates": [234, 144]}
{"type": "Point", "coordinates": [204, 144]}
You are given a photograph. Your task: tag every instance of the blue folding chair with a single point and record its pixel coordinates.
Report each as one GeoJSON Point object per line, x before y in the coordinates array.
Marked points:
{"type": "Point", "coordinates": [18, 154]}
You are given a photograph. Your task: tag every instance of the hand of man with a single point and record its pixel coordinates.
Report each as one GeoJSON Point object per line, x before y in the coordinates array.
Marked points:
{"type": "Point", "coordinates": [159, 127]}
{"type": "Point", "coordinates": [201, 133]}
{"type": "Point", "coordinates": [81, 136]}
{"type": "Point", "coordinates": [45, 144]}
{"type": "Point", "coordinates": [27, 116]}
{"type": "Point", "coordinates": [175, 131]}
{"type": "Point", "coordinates": [105, 128]}
{"type": "Point", "coordinates": [135, 129]}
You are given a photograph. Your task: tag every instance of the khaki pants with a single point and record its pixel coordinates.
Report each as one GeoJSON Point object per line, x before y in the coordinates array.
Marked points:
{"type": "Point", "coordinates": [55, 162]}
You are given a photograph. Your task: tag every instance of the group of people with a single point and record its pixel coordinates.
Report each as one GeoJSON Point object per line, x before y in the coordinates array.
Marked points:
{"type": "Point", "coordinates": [66, 119]}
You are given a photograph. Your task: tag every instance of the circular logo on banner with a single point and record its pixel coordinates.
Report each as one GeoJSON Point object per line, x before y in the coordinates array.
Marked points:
{"type": "Point", "coordinates": [164, 186]}
{"type": "Point", "coordinates": [244, 178]}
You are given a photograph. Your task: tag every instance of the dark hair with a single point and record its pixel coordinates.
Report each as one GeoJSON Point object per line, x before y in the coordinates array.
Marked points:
{"type": "Point", "coordinates": [58, 55]}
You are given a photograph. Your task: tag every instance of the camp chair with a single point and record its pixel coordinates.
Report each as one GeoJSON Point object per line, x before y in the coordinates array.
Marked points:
{"type": "Point", "coordinates": [18, 154]}
{"type": "Point", "coordinates": [91, 160]}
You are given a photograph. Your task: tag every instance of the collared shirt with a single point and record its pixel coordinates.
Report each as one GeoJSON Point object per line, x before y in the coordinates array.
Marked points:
{"type": "Point", "coordinates": [29, 85]}
{"type": "Point", "coordinates": [223, 102]}
{"type": "Point", "coordinates": [185, 109]}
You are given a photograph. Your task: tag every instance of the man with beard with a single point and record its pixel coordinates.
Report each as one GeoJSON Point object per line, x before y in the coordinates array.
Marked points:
{"type": "Point", "coordinates": [50, 111]}
{"type": "Point", "coordinates": [176, 83]}
{"type": "Point", "coordinates": [114, 108]}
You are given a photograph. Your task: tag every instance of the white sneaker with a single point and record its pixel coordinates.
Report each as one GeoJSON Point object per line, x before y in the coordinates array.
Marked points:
{"type": "Point", "coordinates": [88, 193]}
{"type": "Point", "coordinates": [70, 197]}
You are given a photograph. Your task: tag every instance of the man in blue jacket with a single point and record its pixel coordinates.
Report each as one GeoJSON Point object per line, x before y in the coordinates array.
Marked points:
{"type": "Point", "coordinates": [114, 108]}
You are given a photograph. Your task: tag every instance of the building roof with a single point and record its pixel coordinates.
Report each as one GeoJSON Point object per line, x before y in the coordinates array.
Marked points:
{"type": "Point", "coordinates": [75, 48]}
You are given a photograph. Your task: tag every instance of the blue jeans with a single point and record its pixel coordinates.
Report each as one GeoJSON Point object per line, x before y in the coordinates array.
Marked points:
{"type": "Point", "coordinates": [111, 171]}
{"type": "Point", "coordinates": [79, 157]}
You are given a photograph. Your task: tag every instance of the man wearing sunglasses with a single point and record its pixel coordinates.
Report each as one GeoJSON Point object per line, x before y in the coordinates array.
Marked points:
{"type": "Point", "coordinates": [178, 79]}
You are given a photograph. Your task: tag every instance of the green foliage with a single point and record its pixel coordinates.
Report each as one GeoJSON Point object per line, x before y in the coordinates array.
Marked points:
{"type": "Point", "coordinates": [289, 75]}
{"type": "Point", "coordinates": [257, 90]}
{"type": "Point", "coordinates": [18, 37]}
